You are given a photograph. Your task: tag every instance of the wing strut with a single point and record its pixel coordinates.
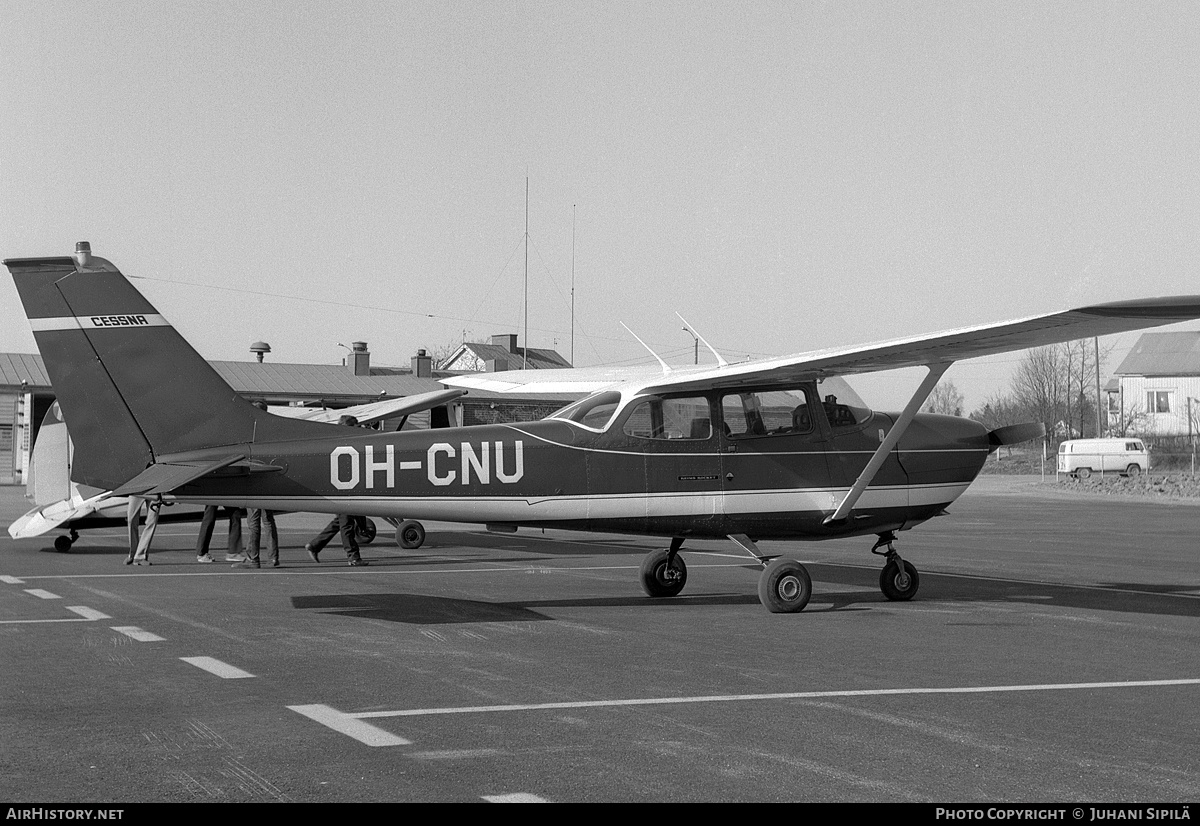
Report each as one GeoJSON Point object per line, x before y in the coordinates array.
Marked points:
{"type": "Point", "coordinates": [890, 441]}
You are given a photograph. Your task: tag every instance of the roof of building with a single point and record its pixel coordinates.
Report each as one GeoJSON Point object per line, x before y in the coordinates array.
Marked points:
{"type": "Point", "coordinates": [23, 367]}
{"type": "Point", "coordinates": [539, 358]}
{"type": "Point", "coordinates": [1163, 354]}
{"type": "Point", "coordinates": [311, 382]}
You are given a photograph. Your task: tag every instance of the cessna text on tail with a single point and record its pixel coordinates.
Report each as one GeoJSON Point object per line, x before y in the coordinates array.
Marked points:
{"type": "Point", "coordinates": [779, 448]}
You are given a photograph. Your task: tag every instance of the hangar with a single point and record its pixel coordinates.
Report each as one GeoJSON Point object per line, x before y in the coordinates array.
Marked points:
{"type": "Point", "coordinates": [26, 393]}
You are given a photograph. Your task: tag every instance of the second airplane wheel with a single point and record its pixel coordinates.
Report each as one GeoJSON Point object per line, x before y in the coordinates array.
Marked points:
{"type": "Point", "coordinates": [897, 583]}
{"type": "Point", "coordinates": [410, 535]}
{"type": "Point", "coordinates": [660, 579]}
{"type": "Point", "coordinates": [784, 587]}
{"type": "Point", "coordinates": [62, 544]}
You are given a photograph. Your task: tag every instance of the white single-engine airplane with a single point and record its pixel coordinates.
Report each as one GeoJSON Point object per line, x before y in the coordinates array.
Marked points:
{"type": "Point", "coordinates": [771, 449]}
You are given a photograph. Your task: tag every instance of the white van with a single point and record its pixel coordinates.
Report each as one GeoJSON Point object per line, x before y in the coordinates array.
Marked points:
{"type": "Point", "coordinates": [1083, 457]}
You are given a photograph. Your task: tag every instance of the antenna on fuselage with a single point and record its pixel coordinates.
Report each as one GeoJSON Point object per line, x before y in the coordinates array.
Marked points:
{"type": "Point", "coordinates": [666, 367]}
{"type": "Point", "coordinates": [722, 362]}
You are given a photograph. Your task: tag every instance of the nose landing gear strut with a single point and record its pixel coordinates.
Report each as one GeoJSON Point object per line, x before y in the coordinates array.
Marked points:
{"type": "Point", "coordinates": [899, 579]}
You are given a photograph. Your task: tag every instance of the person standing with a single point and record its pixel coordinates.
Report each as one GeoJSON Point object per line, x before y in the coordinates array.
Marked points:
{"type": "Point", "coordinates": [204, 537]}
{"type": "Point", "coordinates": [342, 523]}
{"type": "Point", "coordinates": [255, 519]}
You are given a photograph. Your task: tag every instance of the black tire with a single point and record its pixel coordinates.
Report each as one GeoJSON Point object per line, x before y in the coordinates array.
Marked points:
{"type": "Point", "coordinates": [364, 530]}
{"type": "Point", "coordinates": [899, 585]}
{"type": "Point", "coordinates": [660, 579]}
{"type": "Point", "coordinates": [410, 534]}
{"type": "Point", "coordinates": [62, 544]}
{"type": "Point", "coordinates": [1133, 471]}
{"type": "Point", "coordinates": [785, 586]}
{"type": "Point", "coordinates": [1083, 472]}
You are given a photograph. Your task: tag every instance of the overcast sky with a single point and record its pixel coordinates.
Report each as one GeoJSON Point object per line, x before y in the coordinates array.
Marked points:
{"type": "Point", "coordinates": [785, 175]}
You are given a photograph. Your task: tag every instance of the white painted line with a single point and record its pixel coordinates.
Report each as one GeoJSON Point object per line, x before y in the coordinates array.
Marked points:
{"type": "Point", "coordinates": [11, 580]}
{"type": "Point", "coordinates": [88, 613]}
{"type": "Point", "coordinates": [133, 632]}
{"type": "Point", "coordinates": [347, 724]}
{"type": "Point", "coordinates": [40, 594]}
{"type": "Point", "coordinates": [791, 695]}
{"type": "Point", "coordinates": [514, 797]}
{"type": "Point", "coordinates": [222, 670]}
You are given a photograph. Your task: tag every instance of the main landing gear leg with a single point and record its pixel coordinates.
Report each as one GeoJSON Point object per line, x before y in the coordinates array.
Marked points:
{"type": "Point", "coordinates": [784, 586]}
{"type": "Point", "coordinates": [663, 573]}
{"type": "Point", "coordinates": [898, 580]}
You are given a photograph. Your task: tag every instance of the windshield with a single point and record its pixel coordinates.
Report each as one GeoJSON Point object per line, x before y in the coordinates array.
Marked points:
{"type": "Point", "coordinates": [843, 407]}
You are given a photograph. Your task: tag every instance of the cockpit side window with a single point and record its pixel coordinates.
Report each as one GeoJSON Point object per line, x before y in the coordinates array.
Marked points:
{"type": "Point", "coordinates": [674, 418]}
{"type": "Point", "coordinates": [766, 413]}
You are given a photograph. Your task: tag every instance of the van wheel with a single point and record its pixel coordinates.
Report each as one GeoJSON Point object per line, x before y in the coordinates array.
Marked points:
{"type": "Point", "coordinates": [1083, 472]}
{"type": "Point", "coordinates": [1133, 471]}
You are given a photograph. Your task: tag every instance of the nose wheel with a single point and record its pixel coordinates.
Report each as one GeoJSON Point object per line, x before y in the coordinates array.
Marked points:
{"type": "Point", "coordinates": [898, 580]}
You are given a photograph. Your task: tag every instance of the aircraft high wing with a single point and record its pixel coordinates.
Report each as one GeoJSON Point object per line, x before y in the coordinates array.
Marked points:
{"type": "Point", "coordinates": [772, 449]}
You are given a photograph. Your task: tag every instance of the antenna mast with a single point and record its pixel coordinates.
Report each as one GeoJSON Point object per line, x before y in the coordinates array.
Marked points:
{"type": "Point", "coordinates": [572, 285]}
{"type": "Point", "coordinates": [525, 352]}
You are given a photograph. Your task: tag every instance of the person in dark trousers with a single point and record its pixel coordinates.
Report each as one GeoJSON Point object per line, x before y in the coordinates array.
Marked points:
{"type": "Point", "coordinates": [234, 551]}
{"type": "Point", "coordinates": [342, 524]}
{"type": "Point", "coordinates": [255, 520]}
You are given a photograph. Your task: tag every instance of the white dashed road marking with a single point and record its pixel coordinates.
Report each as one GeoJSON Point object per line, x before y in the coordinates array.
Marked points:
{"type": "Point", "coordinates": [11, 580]}
{"type": "Point", "coordinates": [222, 670]}
{"type": "Point", "coordinates": [88, 613]}
{"type": "Point", "coordinates": [40, 594]}
{"type": "Point", "coordinates": [514, 797]}
{"type": "Point", "coordinates": [133, 632]}
{"type": "Point", "coordinates": [348, 725]}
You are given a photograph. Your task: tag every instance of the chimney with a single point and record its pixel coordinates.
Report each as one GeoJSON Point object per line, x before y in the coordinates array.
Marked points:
{"type": "Point", "coordinates": [508, 341]}
{"type": "Point", "coordinates": [422, 365]}
{"type": "Point", "coordinates": [360, 358]}
{"type": "Point", "coordinates": [495, 365]}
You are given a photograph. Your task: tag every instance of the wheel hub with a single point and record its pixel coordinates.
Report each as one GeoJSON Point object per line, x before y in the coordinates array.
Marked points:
{"type": "Point", "coordinates": [789, 588]}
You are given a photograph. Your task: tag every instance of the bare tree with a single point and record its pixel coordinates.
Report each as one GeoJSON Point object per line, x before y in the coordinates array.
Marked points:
{"type": "Point", "coordinates": [946, 399]}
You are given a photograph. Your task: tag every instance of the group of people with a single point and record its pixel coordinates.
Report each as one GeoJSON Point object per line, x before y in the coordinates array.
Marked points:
{"type": "Point", "coordinates": [260, 521]}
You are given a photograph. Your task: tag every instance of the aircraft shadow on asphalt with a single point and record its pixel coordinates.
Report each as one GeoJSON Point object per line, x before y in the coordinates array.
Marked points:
{"type": "Point", "coordinates": [422, 609]}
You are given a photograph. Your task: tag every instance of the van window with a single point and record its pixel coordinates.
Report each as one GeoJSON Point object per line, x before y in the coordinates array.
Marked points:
{"type": "Point", "coordinates": [1134, 446]}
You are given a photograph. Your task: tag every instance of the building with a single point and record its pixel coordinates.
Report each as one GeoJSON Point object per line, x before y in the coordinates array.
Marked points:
{"type": "Point", "coordinates": [502, 353]}
{"type": "Point", "coordinates": [1156, 389]}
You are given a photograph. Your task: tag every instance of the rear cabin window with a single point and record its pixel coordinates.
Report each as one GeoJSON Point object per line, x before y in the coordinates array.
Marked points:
{"type": "Point", "coordinates": [683, 418]}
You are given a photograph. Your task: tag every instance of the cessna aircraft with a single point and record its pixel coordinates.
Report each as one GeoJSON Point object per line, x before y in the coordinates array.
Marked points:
{"type": "Point", "coordinates": [772, 449]}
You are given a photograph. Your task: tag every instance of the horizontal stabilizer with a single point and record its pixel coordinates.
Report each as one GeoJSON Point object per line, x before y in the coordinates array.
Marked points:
{"type": "Point", "coordinates": [1014, 434]}
{"type": "Point", "coordinates": [167, 476]}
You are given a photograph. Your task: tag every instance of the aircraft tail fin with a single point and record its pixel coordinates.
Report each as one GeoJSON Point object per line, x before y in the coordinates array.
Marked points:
{"type": "Point", "coordinates": [130, 387]}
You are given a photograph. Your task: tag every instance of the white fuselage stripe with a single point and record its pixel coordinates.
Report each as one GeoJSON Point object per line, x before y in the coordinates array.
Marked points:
{"type": "Point", "coordinates": [606, 506]}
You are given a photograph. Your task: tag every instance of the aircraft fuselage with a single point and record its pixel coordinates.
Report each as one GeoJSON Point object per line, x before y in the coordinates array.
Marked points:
{"type": "Point", "coordinates": [555, 473]}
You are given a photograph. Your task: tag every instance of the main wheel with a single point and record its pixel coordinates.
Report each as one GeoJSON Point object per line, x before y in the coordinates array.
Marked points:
{"type": "Point", "coordinates": [62, 544]}
{"type": "Point", "coordinates": [660, 579]}
{"type": "Point", "coordinates": [1133, 471]}
{"type": "Point", "coordinates": [785, 586]}
{"type": "Point", "coordinates": [1083, 472]}
{"type": "Point", "coordinates": [898, 584]}
{"type": "Point", "coordinates": [410, 534]}
{"type": "Point", "coordinates": [364, 530]}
